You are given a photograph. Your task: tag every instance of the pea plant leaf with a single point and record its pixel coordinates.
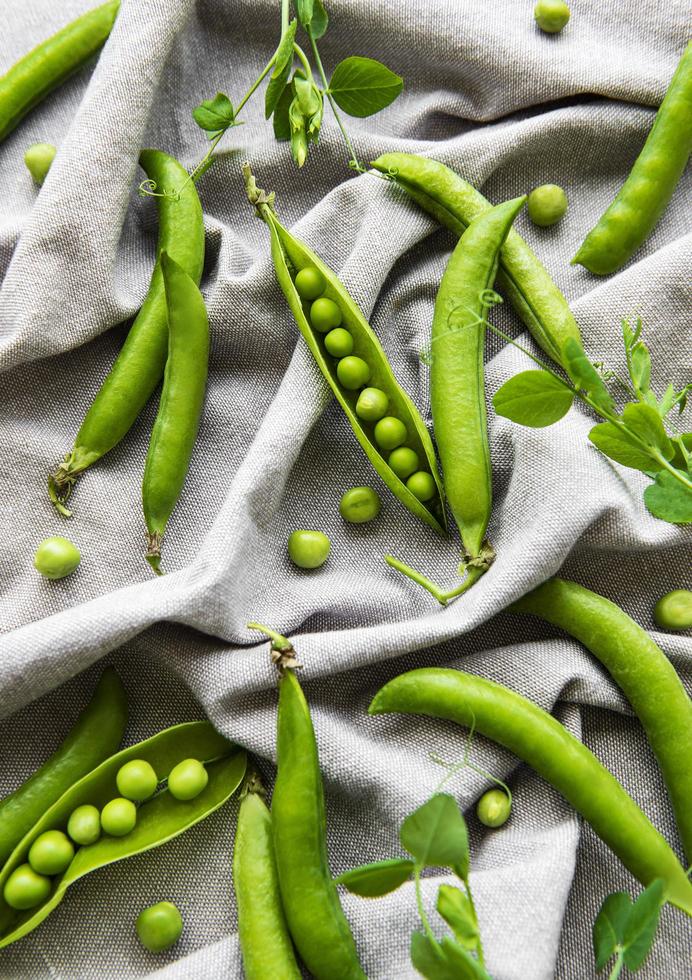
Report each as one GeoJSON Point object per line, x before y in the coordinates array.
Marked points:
{"type": "Point", "coordinates": [585, 376]}
{"type": "Point", "coordinates": [319, 22]}
{"type": "Point", "coordinates": [669, 499]}
{"type": "Point", "coordinates": [645, 422]}
{"type": "Point", "coordinates": [609, 926]}
{"type": "Point", "coordinates": [682, 448]}
{"type": "Point", "coordinates": [215, 115]}
{"type": "Point", "coordinates": [445, 960]}
{"type": "Point", "coordinates": [282, 125]}
{"type": "Point", "coordinates": [617, 445]}
{"type": "Point", "coordinates": [305, 9]}
{"type": "Point", "coordinates": [463, 963]}
{"type": "Point", "coordinates": [533, 398]}
{"type": "Point", "coordinates": [642, 923]}
{"type": "Point", "coordinates": [436, 835]}
{"type": "Point", "coordinates": [363, 86]}
{"type": "Point", "coordinates": [456, 909]}
{"type": "Point", "coordinates": [378, 878]}
{"type": "Point", "coordinates": [275, 89]}
{"type": "Point", "coordinates": [638, 358]}
{"type": "Point", "coordinates": [284, 53]}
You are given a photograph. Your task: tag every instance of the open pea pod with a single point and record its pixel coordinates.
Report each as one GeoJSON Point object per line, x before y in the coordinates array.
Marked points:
{"type": "Point", "coordinates": [159, 819]}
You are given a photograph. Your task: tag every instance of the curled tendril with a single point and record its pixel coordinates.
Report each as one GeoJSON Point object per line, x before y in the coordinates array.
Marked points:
{"type": "Point", "coordinates": [148, 189]}
{"type": "Point", "coordinates": [489, 298]}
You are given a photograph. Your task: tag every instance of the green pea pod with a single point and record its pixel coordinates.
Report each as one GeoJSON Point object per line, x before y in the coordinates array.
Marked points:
{"type": "Point", "coordinates": [642, 671]}
{"type": "Point", "coordinates": [140, 364]}
{"type": "Point", "coordinates": [290, 254]}
{"type": "Point", "coordinates": [310, 899]}
{"type": "Point", "coordinates": [526, 282]}
{"type": "Point", "coordinates": [264, 938]}
{"type": "Point", "coordinates": [95, 736]}
{"type": "Point", "coordinates": [158, 820]}
{"type": "Point", "coordinates": [180, 409]}
{"type": "Point", "coordinates": [642, 199]}
{"type": "Point", "coordinates": [556, 755]}
{"type": "Point", "coordinates": [51, 63]}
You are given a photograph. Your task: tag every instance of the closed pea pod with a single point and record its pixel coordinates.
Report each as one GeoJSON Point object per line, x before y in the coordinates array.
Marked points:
{"type": "Point", "coordinates": [180, 408]}
{"type": "Point", "coordinates": [562, 760]}
{"type": "Point", "coordinates": [140, 364]}
{"type": "Point", "coordinates": [51, 63]}
{"type": "Point", "coordinates": [641, 670]}
{"type": "Point", "coordinates": [367, 365]}
{"type": "Point", "coordinates": [265, 941]}
{"type": "Point", "coordinates": [642, 199]}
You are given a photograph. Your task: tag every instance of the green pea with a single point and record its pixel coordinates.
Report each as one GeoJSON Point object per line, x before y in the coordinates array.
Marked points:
{"type": "Point", "coordinates": [493, 808]}
{"type": "Point", "coordinates": [25, 888]}
{"type": "Point", "coordinates": [421, 485]}
{"type": "Point", "coordinates": [325, 314]}
{"type": "Point", "coordinates": [136, 780]}
{"type": "Point", "coordinates": [674, 610]}
{"type": "Point", "coordinates": [360, 504]}
{"type": "Point", "coordinates": [51, 853]}
{"type": "Point", "coordinates": [159, 926]}
{"type": "Point", "coordinates": [353, 372]}
{"type": "Point", "coordinates": [372, 404]}
{"type": "Point", "coordinates": [310, 283]}
{"type": "Point", "coordinates": [308, 549]}
{"type": "Point", "coordinates": [56, 557]}
{"type": "Point", "coordinates": [403, 461]}
{"type": "Point", "coordinates": [547, 204]}
{"type": "Point", "coordinates": [390, 432]}
{"type": "Point", "coordinates": [84, 825]}
{"type": "Point", "coordinates": [339, 342]}
{"type": "Point", "coordinates": [551, 15]}
{"type": "Point", "coordinates": [119, 817]}
{"type": "Point", "coordinates": [187, 779]}
{"type": "Point", "coordinates": [38, 158]}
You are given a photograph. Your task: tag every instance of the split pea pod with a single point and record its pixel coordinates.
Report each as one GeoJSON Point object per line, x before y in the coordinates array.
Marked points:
{"type": "Point", "coordinates": [264, 938]}
{"type": "Point", "coordinates": [382, 416]}
{"type": "Point", "coordinates": [180, 409]}
{"type": "Point", "coordinates": [95, 736]}
{"type": "Point", "coordinates": [51, 63]}
{"type": "Point", "coordinates": [455, 203]}
{"type": "Point", "coordinates": [562, 760]}
{"type": "Point", "coordinates": [642, 199]}
{"type": "Point", "coordinates": [642, 671]}
{"type": "Point", "coordinates": [140, 364]}
{"type": "Point", "coordinates": [159, 819]}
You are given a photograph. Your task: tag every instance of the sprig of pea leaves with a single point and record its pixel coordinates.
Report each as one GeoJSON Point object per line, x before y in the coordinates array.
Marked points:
{"type": "Point", "coordinates": [626, 930]}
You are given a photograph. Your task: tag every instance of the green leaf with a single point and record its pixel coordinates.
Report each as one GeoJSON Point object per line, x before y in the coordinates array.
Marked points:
{"type": "Point", "coordinates": [282, 125]}
{"type": "Point", "coordinates": [463, 964]}
{"type": "Point", "coordinates": [616, 445]}
{"type": "Point", "coordinates": [646, 423]}
{"type": "Point", "coordinates": [679, 460]}
{"type": "Point", "coordinates": [640, 367]}
{"type": "Point", "coordinates": [429, 960]}
{"type": "Point", "coordinates": [585, 376]}
{"type": "Point", "coordinates": [305, 9]}
{"type": "Point", "coordinates": [668, 499]}
{"type": "Point", "coordinates": [533, 398]}
{"type": "Point", "coordinates": [669, 399]}
{"type": "Point", "coordinates": [435, 834]}
{"type": "Point", "coordinates": [215, 115]}
{"type": "Point", "coordinates": [320, 20]}
{"type": "Point", "coordinates": [456, 909]}
{"type": "Point", "coordinates": [284, 52]}
{"type": "Point", "coordinates": [275, 89]}
{"type": "Point", "coordinates": [310, 102]}
{"type": "Point", "coordinates": [363, 86]}
{"type": "Point", "coordinates": [377, 878]}
{"type": "Point", "coordinates": [609, 926]}
{"type": "Point", "coordinates": [642, 923]}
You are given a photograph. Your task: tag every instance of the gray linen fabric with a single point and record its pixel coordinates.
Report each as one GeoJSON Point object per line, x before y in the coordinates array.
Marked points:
{"type": "Point", "coordinates": [509, 108]}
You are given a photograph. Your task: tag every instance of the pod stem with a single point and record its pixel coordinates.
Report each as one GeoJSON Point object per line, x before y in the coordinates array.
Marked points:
{"type": "Point", "coordinates": [473, 573]}
{"type": "Point", "coordinates": [263, 201]}
{"type": "Point", "coordinates": [60, 485]}
{"type": "Point", "coordinates": [153, 554]}
{"type": "Point", "coordinates": [253, 784]}
{"type": "Point", "coordinates": [282, 651]}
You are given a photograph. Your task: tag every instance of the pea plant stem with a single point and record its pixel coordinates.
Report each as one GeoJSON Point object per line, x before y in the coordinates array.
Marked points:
{"type": "Point", "coordinates": [472, 575]}
{"type": "Point", "coordinates": [421, 907]}
{"type": "Point", "coordinates": [278, 641]}
{"type": "Point", "coordinates": [318, 61]}
{"type": "Point", "coordinates": [617, 969]}
{"type": "Point", "coordinates": [479, 944]}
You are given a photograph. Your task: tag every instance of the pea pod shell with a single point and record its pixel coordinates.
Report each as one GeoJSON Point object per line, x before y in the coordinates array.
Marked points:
{"type": "Point", "coordinates": [95, 736]}
{"type": "Point", "coordinates": [642, 671]}
{"type": "Point", "coordinates": [367, 346]}
{"type": "Point", "coordinates": [562, 760]}
{"type": "Point", "coordinates": [455, 203]}
{"type": "Point", "coordinates": [158, 820]}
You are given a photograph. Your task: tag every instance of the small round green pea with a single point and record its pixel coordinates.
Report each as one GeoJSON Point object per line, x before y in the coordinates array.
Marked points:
{"type": "Point", "coordinates": [403, 461]}
{"type": "Point", "coordinates": [360, 504]}
{"type": "Point", "coordinates": [84, 825]}
{"type": "Point", "coordinates": [547, 204]}
{"type": "Point", "coordinates": [187, 779]}
{"type": "Point", "coordinates": [56, 557]}
{"type": "Point", "coordinates": [308, 549]}
{"type": "Point", "coordinates": [493, 808]}
{"type": "Point", "coordinates": [136, 780]}
{"type": "Point", "coordinates": [25, 889]}
{"type": "Point", "coordinates": [310, 283]}
{"type": "Point", "coordinates": [422, 485]}
{"type": "Point", "coordinates": [38, 159]}
{"type": "Point", "coordinates": [51, 853]}
{"type": "Point", "coordinates": [119, 817]}
{"type": "Point", "coordinates": [159, 926]}
{"type": "Point", "coordinates": [353, 372]}
{"type": "Point", "coordinates": [674, 610]}
{"type": "Point", "coordinates": [372, 404]}
{"type": "Point", "coordinates": [390, 432]}
{"type": "Point", "coordinates": [339, 342]}
{"type": "Point", "coordinates": [551, 15]}
{"type": "Point", "coordinates": [325, 314]}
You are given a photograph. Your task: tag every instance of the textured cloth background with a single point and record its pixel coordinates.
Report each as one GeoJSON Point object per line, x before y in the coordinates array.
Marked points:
{"type": "Point", "coordinates": [509, 108]}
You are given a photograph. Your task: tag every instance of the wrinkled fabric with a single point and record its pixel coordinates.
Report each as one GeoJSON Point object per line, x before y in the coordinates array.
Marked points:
{"type": "Point", "coordinates": [507, 107]}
